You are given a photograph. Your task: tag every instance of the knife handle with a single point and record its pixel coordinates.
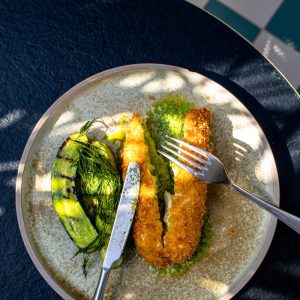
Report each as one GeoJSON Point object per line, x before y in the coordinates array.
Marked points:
{"type": "Point", "coordinates": [101, 284]}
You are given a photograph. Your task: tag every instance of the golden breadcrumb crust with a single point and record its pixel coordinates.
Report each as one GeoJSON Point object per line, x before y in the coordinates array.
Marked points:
{"type": "Point", "coordinates": [185, 216]}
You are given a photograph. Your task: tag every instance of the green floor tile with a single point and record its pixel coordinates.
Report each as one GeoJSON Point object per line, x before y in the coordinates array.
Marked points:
{"type": "Point", "coordinates": [244, 27]}
{"type": "Point", "coordinates": [285, 24]}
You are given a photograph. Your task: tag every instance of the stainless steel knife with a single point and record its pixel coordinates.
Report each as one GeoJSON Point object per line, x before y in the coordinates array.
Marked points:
{"type": "Point", "coordinates": [122, 224]}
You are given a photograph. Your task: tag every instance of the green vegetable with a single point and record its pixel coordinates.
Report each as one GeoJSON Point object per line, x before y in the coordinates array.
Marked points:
{"type": "Point", "coordinates": [86, 168]}
{"type": "Point", "coordinates": [100, 181]}
{"type": "Point", "coordinates": [101, 188]}
{"type": "Point", "coordinates": [115, 138]}
{"type": "Point", "coordinates": [65, 200]}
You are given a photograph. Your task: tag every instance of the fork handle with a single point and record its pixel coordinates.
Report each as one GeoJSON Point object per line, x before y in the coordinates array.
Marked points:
{"type": "Point", "coordinates": [287, 218]}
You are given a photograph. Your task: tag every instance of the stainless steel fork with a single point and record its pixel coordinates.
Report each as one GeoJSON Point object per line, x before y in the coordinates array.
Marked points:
{"type": "Point", "coordinates": [210, 169]}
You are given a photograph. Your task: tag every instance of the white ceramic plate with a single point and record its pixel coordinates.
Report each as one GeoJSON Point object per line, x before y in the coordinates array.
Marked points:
{"type": "Point", "coordinates": [242, 232]}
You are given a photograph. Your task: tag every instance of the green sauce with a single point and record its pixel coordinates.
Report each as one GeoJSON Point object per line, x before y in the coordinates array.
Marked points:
{"type": "Point", "coordinates": [201, 251]}
{"type": "Point", "coordinates": [166, 117]}
{"type": "Point", "coordinates": [160, 167]}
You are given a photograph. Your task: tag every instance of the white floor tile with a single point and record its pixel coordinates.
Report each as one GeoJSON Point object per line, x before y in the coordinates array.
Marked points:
{"type": "Point", "coordinates": [258, 12]}
{"type": "Point", "coordinates": [286, 59]}
{"type": "Point", "coordinates": [199, 3]}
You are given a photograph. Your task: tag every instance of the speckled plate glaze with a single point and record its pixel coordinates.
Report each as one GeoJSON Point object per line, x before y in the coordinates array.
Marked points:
{"type": "Point", "coordinates": [242, 232]}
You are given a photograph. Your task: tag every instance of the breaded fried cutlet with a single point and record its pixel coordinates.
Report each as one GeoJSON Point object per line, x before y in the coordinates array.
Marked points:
{"type": "Point", "coordinates": [172, 239]}
{"type": "Point", "coordinates": [187, 209]}
{"type": "Point", "coordinates": [147, 228]}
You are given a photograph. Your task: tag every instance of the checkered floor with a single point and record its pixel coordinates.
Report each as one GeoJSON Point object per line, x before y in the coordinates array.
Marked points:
{"type": "Point", "coordinates": [273, 26]}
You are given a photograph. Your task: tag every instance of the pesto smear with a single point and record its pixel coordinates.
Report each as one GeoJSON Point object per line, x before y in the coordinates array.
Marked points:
{"type": "Point", "coordinates": [166, 117]}
{"type": "Point", "coordinates": [160, 167]}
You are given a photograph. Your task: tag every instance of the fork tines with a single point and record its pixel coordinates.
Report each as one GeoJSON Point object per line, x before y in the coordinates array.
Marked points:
{"type": "Point", "coordinates": [197, 162]}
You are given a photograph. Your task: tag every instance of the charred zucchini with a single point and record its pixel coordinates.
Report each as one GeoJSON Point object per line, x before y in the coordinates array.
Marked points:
{"type": "Point", "coordinates": [65, 201]}
{"type": "Point", "coordinates": [86, 188]}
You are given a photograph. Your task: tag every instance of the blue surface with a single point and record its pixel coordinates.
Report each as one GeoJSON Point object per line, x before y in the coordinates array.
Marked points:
{"type": "Point", "coordinates": [46, 47]}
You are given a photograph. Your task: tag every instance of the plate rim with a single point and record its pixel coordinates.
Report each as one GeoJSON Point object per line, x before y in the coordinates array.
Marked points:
{"type": "Point", "coordinates": [102, 75]}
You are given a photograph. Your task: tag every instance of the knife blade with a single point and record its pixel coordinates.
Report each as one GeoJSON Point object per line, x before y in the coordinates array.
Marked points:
{"type": "Point", "coordinates": [124, 216]}
{"type": "Point", "coordinates": [122, 224]}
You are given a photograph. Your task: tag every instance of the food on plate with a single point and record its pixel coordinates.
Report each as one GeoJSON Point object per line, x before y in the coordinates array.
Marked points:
{"type": "Point", "coordinates": [64, 196]}
{"type": "Point", "coordinates": [171, 207]}
{"type": "Point", "coordinates": [86, 187]}
{"type": "Point", "coordinates": [168, 230]}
